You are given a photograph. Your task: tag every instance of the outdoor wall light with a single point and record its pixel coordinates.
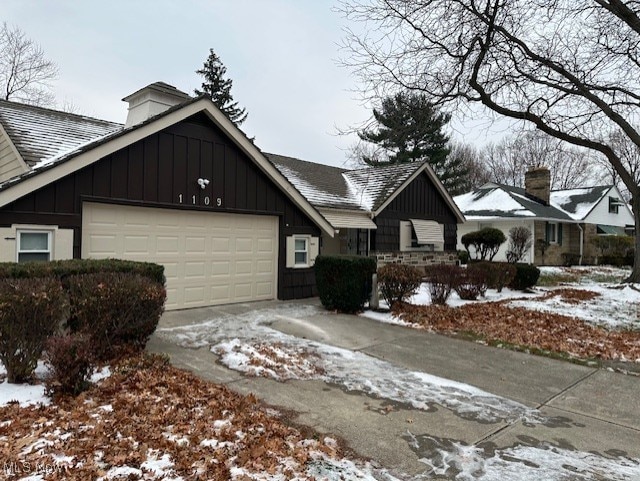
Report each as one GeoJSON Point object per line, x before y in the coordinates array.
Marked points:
{"type": "Point", "coordinates": [203, 183]}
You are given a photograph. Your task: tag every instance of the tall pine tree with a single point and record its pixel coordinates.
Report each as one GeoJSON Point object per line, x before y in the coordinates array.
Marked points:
{"type": "Point", "coordinates": [219, 88]}
{"type": "Point", "coordinates": [409, 128]}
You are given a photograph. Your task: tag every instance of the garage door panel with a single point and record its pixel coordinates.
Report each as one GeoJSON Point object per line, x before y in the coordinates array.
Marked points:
{"type": "Point", "coordinates": [220, 245]}
{"type": "Point", "coordinates": [195, 245]}
{"type": "Point", "coordinates": [209, 258]}
{"type": "Point", "coordinates": [243, 245]}
{"type": "Point", "coordinates": [167, 244]}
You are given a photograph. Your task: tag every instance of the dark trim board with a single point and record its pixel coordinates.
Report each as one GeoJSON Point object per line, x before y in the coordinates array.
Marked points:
{"type": "Point", "coordinates": [161, 171]}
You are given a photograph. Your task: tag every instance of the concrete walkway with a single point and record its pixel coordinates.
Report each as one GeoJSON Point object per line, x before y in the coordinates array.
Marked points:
{"type": "Point", "coordinates": [593, 410]}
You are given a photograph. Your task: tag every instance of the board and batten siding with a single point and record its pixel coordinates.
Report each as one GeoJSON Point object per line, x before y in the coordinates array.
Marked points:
{"type": "Point", "coordinates": [162, 171]}
{"type": "Point", "coordinates": [419, 200]}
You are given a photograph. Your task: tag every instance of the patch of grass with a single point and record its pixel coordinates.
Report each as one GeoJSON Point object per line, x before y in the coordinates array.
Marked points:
{"type": "Point", "coordinates": [556, 279]}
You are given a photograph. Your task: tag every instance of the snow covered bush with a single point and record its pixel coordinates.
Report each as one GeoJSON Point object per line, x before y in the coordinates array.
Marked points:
{"type": "Point", "coordinates": [31, 310]}
{"type": "Point", "coordinates": [69, 360]}
{"type": "Point", "coordinates": [114, 309]}
{"type": "Point", "coordinates": [398, 282]}
{"type": "Point", "coordinates": [441, 281]}
{"type": "Point", "coordinates": [344, 282]}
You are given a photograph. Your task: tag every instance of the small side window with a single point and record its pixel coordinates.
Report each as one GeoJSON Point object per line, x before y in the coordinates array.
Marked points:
{"type": "Point", "coordinates": [614, 203]}
{"type": "Point", "coordinates": [34, 246]}
{"type": "Point", "coordinates": [301, 251]}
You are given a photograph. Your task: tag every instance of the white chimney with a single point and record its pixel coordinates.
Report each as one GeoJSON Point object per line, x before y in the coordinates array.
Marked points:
{"type": "Point", "coordinates": [152, 100]}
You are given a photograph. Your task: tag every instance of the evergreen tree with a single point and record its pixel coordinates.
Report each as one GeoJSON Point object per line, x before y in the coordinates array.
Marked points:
{"type": "Point", "coordinates": [218, 88]}
{"type": "Point", "coordinates": [410, 129]}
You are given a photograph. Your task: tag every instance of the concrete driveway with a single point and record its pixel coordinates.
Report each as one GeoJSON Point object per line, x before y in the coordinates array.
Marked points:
{"type": "Point", "coordinates": [587, 410]}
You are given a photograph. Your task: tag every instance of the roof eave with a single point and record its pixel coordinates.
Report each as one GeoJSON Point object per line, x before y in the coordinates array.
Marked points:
{"type": "Point", "coordinates": [129, 136]}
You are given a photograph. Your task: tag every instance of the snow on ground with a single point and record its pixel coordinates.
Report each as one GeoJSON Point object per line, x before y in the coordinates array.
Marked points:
{"type": "Point", "coordinates": [30, 394]}
{"type": "Point", "coordinates": [246, 343]}
{"type": "Point", "coordinates": [462, 462]}
{"type": "Point", "coordinates": [616, 307]}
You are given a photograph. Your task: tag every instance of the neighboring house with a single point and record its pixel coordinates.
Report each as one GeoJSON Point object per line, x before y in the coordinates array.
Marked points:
{"type": "Point", "coordinates": [563, 222]}
{"type": "Point", "coordinates": [181, 185]}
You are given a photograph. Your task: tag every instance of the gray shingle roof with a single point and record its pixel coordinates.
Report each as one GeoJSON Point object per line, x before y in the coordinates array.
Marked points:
{"type": "Point", "coordinates": [40, 134]}
{"type": "Point", "coordinates": [334, 187]}
{"type": "Point", "coordinates": [578, 203]}
{"type": "Point", "coordinates": [502, 201]}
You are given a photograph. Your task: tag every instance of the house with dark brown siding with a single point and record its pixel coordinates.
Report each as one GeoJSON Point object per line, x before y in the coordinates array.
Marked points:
{"type": "Point", "coordinates": [181, 185]}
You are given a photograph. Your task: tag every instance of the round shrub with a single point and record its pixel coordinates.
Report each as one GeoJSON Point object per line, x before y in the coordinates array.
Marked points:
{"type": "Point", "coordinates": [114, 309]}
{"type": "Point", "coordinates": [398, 282]}
{"type": "Point", "coordinates": [31, 310]}
{"type": "Point", "coordinates": [486, 242]}
{"type": "Point", "coordinates": [344, 282]}
{"type": "Point", "coordinates": [497, 274]}
{"type": "Point", "coordinates": [471, 284]}
{"type": "Point", "coordinates": [526, 277]}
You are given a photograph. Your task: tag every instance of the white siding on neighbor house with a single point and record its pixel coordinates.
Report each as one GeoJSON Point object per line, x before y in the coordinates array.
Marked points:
{"type": "Point", "coordinates": [10, 163]}
{"type": "Point", "coordinates": [601, 215]}
{"type": "Point", "coordinates": [504, 226]}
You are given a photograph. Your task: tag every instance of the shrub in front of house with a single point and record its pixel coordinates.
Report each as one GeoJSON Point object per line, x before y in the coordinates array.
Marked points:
{"type": "Point", "coordinates": [497, 274]}
{"type": "Point", "coordinates": [463, 257]}
{"type": "Point", "coordinates": [64, 269]}
{"type": "Point", "coordinates": [527, 276]}
{"type": "Point", "coordinates": [471, 284]}
{"type": "Point", "coordinates": [441, 279]}
{"type": "Point", "coordinates": [398, 282]}
{"type": "Point", "coordinates": [485, 242]}
{"type": "Point", "coordinates": [69, 360]}
{"type": "Point", "coordinates": [344, 282]}
{"type": "Point", "coordinates": [520, 242]}
{"type": "Point", "coordinates": [31, 310]}
{"type": "Point", "coordinates": [115, 309]}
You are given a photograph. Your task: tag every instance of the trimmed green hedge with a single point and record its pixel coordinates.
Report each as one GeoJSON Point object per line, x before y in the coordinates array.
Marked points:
{"type": "Point", "coordinates": [344, 282]}
{"type": "Point", "coordinates": [526, 277]}
{"type": "Point", "coordinates": [73, 267]}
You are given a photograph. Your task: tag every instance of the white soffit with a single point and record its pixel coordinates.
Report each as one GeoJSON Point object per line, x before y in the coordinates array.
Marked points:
{"type": "Point", "coordinates": [348, 220]}
{"type": "Point", "coordinates": [428, 231]}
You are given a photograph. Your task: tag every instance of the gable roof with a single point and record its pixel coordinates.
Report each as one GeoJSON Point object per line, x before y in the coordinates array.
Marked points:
{"type": "Point", "coordinates": [495, 201]}
{"type": "Point", "coordinates": [61, 163]}
{"type": "Point", "coordinates": [578, 203]}
{"type": "Point", "coordinates": [39, 134]}
{"type": "Point", "coordinates": [368, 190]}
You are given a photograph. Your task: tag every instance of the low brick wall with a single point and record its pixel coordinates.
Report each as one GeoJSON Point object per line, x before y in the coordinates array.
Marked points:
{"type": "Point", "coordinates": [417, 259]}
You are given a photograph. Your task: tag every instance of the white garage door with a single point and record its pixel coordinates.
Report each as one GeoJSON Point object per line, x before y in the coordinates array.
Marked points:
{"type": "Point", "coordinates": [209, 258]}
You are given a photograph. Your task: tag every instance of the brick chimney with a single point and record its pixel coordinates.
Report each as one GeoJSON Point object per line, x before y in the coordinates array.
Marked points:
{"type": "Point", "coordinates": [152, 100]}
{"type": "Point", "coordinates": [537, 182]}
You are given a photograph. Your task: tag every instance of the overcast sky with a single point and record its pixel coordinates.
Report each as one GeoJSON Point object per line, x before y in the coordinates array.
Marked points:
{"type": "Point", "coordinates": [282, 56]}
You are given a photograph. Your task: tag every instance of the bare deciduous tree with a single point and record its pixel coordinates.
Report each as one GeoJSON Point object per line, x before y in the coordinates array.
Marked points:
{"type": "Point", "coordinates": [570, 167]}
{"type": "Point", "coordinates": [24, 70]}
{"type": "Point", "coordinates": [571, 69]}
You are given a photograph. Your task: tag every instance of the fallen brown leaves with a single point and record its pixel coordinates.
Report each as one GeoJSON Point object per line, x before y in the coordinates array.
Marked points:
{"type": "Point", "coordinates": [148, 409]}
{"type": "Point", "coordinates": [494, 321]}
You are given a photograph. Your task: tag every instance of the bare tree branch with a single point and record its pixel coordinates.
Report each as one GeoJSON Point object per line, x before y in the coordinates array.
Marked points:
{"type": "Point", "coordinates": [24, 70]}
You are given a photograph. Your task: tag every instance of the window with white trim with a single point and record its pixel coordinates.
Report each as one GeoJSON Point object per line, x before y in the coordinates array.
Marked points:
{"type": "Point", "coordinates": [301, 251]}
{"type": "Point", "coordinates": [33, 245]}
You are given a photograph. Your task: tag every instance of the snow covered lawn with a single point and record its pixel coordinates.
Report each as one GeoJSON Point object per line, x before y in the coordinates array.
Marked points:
{"type": "Point", "coordinates": [582, 317]}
